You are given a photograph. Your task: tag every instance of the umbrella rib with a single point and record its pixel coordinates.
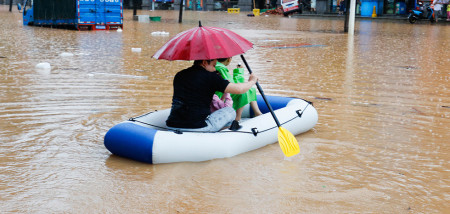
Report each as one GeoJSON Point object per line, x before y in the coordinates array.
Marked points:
{"type": "Point", "coordinates": [237, 40]}
{"type": "Point", "coordinates": [233, 38]}
{"type": "Point", "coordinates": [203, 43]}
{"type": "Point", "coordinates": [170, 44]}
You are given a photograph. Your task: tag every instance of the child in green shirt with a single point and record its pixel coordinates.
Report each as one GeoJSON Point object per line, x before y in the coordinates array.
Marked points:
{"type": "Point", "coordinates": [239, 100]}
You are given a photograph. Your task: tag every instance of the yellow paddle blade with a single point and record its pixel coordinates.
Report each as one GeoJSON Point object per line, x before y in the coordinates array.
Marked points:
{"type": "Point", "coordinates": [288, 142]}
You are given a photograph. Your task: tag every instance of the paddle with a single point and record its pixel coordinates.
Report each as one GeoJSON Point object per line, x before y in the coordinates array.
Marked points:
{"type": "Point", "coordinates": [287, 141]}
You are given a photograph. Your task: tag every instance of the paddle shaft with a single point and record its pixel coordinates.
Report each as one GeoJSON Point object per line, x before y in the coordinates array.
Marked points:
{"type": "Point", "coordinates": [262, 93]}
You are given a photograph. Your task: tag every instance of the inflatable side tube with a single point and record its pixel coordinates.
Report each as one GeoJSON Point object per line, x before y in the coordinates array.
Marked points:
{"type": "Point", "coordinates": [275, 101]}
{"type": "Point", "coordinates": [131, 141]}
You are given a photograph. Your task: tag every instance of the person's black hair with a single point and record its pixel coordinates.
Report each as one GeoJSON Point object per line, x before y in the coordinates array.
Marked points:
{"type": "Point", "coordinates": [199, 62]}
{"type": "Point", "coordinates": [222, 59]}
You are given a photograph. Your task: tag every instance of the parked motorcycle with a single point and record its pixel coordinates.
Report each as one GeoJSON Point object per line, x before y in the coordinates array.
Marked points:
{"type": "Point", "coordinates": [420, 13]}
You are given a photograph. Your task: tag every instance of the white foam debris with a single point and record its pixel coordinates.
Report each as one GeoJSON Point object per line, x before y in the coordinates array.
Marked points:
{"type": "Point", "coordinates": [66, 54]}
{"type": "Point", "coordinates": [136, 50]}
{"type": "Point", "coordinates": [160, 33]}
{"type": "Point", "coordinates": [43, 66]}
{"type": "Point", "coordinates": [119, 29]}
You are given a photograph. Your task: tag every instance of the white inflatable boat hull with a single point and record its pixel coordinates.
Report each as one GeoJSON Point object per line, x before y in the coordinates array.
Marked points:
{"type": "Point", "coordinates": [146, 138]}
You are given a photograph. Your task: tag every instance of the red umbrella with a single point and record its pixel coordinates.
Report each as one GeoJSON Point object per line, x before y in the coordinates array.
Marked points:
{"type": "Point", "coordinates": [202, 43]}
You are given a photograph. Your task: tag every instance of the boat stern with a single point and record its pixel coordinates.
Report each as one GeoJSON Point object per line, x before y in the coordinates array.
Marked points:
{"type": "Point", "coordinates": [131, 141]}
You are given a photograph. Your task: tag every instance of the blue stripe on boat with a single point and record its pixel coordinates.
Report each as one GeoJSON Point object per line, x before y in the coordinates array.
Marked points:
{"type": "Point", "coordinates": [275, 101]}
{"type": "Point", "coordinates": [131, 141]}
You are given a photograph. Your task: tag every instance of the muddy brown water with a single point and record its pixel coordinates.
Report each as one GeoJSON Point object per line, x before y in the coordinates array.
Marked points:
{"type": "Point", "coordinates": [381, 144]}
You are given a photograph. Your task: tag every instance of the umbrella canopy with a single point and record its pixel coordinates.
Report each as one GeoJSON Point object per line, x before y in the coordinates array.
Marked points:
{"type": "Point", "coordinates": [203, 43]}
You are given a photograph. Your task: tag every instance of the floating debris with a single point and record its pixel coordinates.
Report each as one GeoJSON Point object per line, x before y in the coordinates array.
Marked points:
{"type": "Point", "coordinates": [136, 50]}
{"type": "Point", "coordinates": [65, 54]}
{"type": "Point", "coordinates": [2, 57]}
{"type": "Point", "coordinates": [160, 33]}
{"type": "Point", "coordinates": [407, 67]}
{"type": "Point", "coordinates": [445, 106]}
{"type": "Point", "coordinates": [276, 11]}
{"type": "Point", "coordinates": [43, 66]}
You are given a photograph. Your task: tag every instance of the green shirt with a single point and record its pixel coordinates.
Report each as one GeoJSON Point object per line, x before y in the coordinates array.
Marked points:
{"type": "Point", "coordinates": [239, 100]}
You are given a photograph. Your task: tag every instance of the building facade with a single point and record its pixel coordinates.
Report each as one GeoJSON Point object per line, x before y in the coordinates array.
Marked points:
{"type": "Point", "coordinates": [363, 7]}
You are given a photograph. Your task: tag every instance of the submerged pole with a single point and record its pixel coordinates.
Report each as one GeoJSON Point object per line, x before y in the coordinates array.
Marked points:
{"type": "Point", "coordinates": [347, 6]}
{"type": "Point", "coordinates": [134, 7]}
{"type": "Point", "coordinates": [351, 21]}
{"type": "Point", "coordinates": [180, 17]}
{"type": "Point", "coordinates": [10, 5]}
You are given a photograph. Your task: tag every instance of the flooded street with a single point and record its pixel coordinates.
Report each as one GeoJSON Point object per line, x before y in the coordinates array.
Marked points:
{"type": "Point", "coordinates": [381, 144]}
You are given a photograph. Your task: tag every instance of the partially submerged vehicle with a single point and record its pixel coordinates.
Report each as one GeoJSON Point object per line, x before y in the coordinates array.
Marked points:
{"type": "Point", "coordinates": [290, 6]}
{"type": "Point", "coordinates": [77, 14]}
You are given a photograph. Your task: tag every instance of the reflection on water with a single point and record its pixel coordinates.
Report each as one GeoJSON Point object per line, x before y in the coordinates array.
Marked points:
{"type": "Point", "coordinates": [381, 144]}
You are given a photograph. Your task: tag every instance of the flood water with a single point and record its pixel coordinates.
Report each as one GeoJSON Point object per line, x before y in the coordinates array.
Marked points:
{"type": "Point", "coordinates": [381, 144]}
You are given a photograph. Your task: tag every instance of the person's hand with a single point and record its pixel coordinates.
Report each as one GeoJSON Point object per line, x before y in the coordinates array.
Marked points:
{"type": "Point", "coordinates": [253, 78]}
{"type": "Point", "coordinates": [224, 97]}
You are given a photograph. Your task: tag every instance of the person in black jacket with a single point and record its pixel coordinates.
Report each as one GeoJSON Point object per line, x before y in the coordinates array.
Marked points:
{"type": "Point", "coordinates": [193, 89]}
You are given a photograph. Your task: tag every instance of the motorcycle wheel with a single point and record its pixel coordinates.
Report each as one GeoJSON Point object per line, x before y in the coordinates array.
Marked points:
{"type": "Point", "coordinates": [412, 19]}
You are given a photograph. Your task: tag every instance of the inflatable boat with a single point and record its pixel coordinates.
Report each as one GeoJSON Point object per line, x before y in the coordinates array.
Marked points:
{"type": "Point", "coordinates": [146, 138]}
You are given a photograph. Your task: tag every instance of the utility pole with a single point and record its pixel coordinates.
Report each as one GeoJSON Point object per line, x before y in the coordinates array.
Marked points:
{"type": "Point", "coordinates": [351, 24]}
{"type": "Point", "coordinates": [350, 9]}
{"type": "Point", "coordinates": [134, 7]}
{"type": "Point", "coordinates": [10, 5]}
{"type": "Point", "coordinates": [180, 17]}
{"type": "Point", "coordinates": [347, 7]}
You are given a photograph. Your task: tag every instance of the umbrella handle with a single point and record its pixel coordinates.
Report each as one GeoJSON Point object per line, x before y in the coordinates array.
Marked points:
{"type": "Point", "coordinates": [262, 93]}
